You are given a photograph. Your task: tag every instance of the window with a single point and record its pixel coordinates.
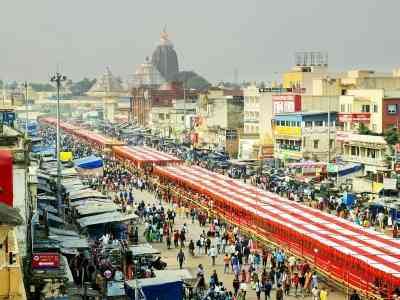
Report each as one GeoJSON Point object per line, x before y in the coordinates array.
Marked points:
{"type": "Point", "coordinates": [349, 108]}
{"type": "Point", "coordinates": [167, 116]}
{"type": "Point", "coordinates": [316, 142]}
{"type": "Point", "coordinates": [365, 108]}
{"type": "Point", "coordinates": [182, 118]}
{"type": "Point", "coordinates": [392, 109]}
{"type": "Point", "coordinates": [287, 123]}
{"type": "Point", "coordinates": [319, 123]}
{"type": "Point", "coordinates": [374, 127]}
{"type": "Point", "coordinates": [298, 123]}
{"type": "Point", "coordinates": [293, 123]}
{"type": "Point", "coordinates": [161, 116]}
{"type": "Point", "coordinates": [308, 123]}
{"type": "Point", "coordinates": [342, 108]}
{"type": "Point", "coordinates": [304, 142]}
{"type": "Point", "coordinates": [332, 144]}
{"type": "Point", "coordinates": [375, 108]}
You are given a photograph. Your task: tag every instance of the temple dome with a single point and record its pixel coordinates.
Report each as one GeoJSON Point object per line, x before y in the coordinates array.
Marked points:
{"type": "Point", "coordinates": [147, 75]}
{"type": "Point", "coordinates": [106, 83]}
{"type": "Point", "coordinates": [164, 58]}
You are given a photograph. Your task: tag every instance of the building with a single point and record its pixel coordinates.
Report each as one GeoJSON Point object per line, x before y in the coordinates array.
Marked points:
{"type": "Point", "coordinates": [164, 57]}
{"type": "Point", "coordinates": [14, 141]}
{"type": "Point", "coordinates": [377, 110]}
{"type": "Point", "coordinates": [369, 150]}
{"type": "Point", "coordinates": [107, 90]}
{"type": "Point", "coordinates": [218, 109]}
{"type": "Point", "coordinates": [304, 135]}
{"type": "Point", "coordinates": [148, 101]}
{"type": "Point", "coordinates": [255, 141]}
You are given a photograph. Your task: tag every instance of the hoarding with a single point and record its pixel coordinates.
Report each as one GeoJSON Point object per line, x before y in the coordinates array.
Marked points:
{"type": "Point", "coordinates": [286, 103]}
{"type": "Point", "coordinates": [6, 178]}
{"type": "Point", "coordinates": [354, 117]}
{"type": "Point", "coordinates": [45, 260]}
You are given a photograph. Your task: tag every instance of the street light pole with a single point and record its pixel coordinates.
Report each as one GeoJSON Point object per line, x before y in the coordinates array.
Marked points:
{"type": "Point", "coordinates": [26, 109]}
{"type": "Point", "coordinates": [58, 79]}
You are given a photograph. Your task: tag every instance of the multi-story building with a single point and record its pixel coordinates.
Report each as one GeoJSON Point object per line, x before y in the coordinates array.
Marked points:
{"type": "Point", "coordinates": [218, 109]}
{"type": "Point", "coordinates": [14, 141]}
{"type": "Point", "coordinates": [147, 98]}
{"type": "Point", "coordinates": [249, 141]}
{"type": "Point", "coordinates": [304, 135]}
{"type": "Point", "coordinates": [377, 110]}
{"type": "Point", "coordinates": [173, 121]}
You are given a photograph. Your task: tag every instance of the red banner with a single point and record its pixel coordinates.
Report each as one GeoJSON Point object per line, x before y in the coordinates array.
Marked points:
{"type": "Point", "coordinates": [354, 117]}
{"type": "Point", "coordinates": [6, 177]}
{"type": "Point", "coordinates": [45, 260]}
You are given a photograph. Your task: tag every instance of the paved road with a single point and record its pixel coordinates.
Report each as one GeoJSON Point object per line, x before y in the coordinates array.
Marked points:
{"type": "Point", "coordinates": [169, 256]}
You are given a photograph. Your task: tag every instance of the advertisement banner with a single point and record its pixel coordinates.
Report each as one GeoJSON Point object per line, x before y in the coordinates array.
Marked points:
{"type": "Point", "coordinates": [45, 260]}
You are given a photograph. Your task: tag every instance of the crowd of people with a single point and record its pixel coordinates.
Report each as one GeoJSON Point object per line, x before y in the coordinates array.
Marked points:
{"type": "Point", "coordinates": [252, 268]}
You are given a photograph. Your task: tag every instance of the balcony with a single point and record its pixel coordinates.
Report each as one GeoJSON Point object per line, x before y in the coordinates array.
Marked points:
{"type": "Point", "coordinates": [251, 120]}
{"type": "Point", "coordinates": [378, 162]}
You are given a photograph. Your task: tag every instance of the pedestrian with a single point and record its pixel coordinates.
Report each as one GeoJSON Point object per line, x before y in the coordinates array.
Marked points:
{"type": "Point", "coordinates": [267, 289]}
{"type": "Point", "coordinates": [258, 290]}
{"type": "Point", "coordinates": [191, 247]}
{"type": "Point", "coordinates": [226, 263]}
{"type": "Point", "coordinates": [181, 258]}
{"type": "Point", "coordinates": [168, 239]}
{"type": "Point", "coordinates": [315, 293]}
{"type": "Point", "coordinates": [323, 294]}
{"type": "Point", "coordinates": [354, 296]}
{"type": "Point", "coordinates": [213, 254]}
{"type": "Point", "coordinates": [236, 285]}
{"type": "Point", "coordinates": [279, 293]}
{"type": "Point", "coordinates": [243, 289]}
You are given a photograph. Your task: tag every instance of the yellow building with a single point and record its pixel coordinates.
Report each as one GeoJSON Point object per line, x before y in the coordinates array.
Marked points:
{"type": "Point", "coordinates": [11, 276]}
{"type": "Point", "coordinates": [303, 77]}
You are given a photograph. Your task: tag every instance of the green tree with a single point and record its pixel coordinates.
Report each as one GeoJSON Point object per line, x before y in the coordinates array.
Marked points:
{"type": "Point", "coordinates": [81, 87]}
{"type": "Point", "coordinates": [42, 87]}
{"type": "Point", "coordinates": [362, 129]}
{"type": "Point", "coordinates": [392, 136]}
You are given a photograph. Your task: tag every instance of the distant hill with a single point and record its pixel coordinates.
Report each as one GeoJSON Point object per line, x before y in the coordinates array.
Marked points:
{"type": "Point", "coordinates": [191, 80]}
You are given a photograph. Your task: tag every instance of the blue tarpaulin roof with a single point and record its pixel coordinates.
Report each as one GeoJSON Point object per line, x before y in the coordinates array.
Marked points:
{"type": "Point", "coordinates": [91, 162]}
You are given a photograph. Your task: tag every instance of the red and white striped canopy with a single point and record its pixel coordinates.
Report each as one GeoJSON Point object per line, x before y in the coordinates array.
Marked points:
{"type": "Point", "coordinates": [143, 154]}
{"type": "Point", "coordinates": [79, 132]}
{"type": "Point", "coordinates": [376, 249]}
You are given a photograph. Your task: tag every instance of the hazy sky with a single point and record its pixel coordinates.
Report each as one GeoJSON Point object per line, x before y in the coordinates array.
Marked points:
{"type": "Point", "coordinates": [212, 37]}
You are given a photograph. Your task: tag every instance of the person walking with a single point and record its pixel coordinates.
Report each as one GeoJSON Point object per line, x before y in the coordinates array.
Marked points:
{"type": "Point", "coordinates": [213, 254]}
{"type": "Point", "coordinates": [181, 258]}
{"type": "Point", "coordinates": [267, 289]}
{"type": "Point", "coordinates": [226, 263]}
{"type": "Point", "coordinates": [279, 293]}
{"type": "Point", "coordinates": [236, 285]}
{"type": "Point", "coordinates": [258, 290]}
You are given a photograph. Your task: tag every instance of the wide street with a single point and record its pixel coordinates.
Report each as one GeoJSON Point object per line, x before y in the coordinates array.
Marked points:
{"type": "Point", "coordinates": [191, 263]}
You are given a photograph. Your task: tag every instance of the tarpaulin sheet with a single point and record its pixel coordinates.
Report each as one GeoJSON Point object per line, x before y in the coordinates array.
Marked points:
{"type": "Point", "coordinates": [91, 162]}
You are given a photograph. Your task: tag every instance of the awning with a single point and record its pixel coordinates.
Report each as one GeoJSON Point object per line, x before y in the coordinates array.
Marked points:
{"type": "Point", "coordinates": [143, 250]}
{"type": "Point", "coordinates": [96, 208]}
{"type": "Point", "coordinates": [106, 218]}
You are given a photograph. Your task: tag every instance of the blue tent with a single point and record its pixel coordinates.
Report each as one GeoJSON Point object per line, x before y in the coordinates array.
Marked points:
{"type": "Point", "coordinates": [88, 163]}
{"type": "Point", "coordinates": [155, 288]}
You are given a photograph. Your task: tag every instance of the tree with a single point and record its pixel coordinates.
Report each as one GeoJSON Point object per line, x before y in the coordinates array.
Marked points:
{"type": "Point", "coordinates": [362, 129]}
{"type": "Point", "coordinates": [392, 136]}
{"type": "Point", "coordinates": [81, 87]}
{"type": "Point", "coordinates": [42, 87]}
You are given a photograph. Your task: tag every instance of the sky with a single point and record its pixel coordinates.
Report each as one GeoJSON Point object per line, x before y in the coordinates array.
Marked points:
{"type": "Point", "coordinates": [212, 37]}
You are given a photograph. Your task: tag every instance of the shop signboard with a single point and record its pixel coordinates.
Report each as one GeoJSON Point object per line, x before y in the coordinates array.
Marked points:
{"type": "Point", "coordinates": [45, 260]}
{"type": "Point", "coordinates": [354, 117]}
{"type": "Point", "coordinates": [288, 131]}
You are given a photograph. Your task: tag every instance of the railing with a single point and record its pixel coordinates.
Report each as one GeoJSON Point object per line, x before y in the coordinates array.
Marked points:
{"type": "Point", "coordinates": [380, 162]}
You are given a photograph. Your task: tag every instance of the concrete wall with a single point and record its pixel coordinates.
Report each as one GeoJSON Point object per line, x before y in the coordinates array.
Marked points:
{"type": "Point", "coordinates": [20, 203]}
{"type": "Point", "coordinates": [319, 103]}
